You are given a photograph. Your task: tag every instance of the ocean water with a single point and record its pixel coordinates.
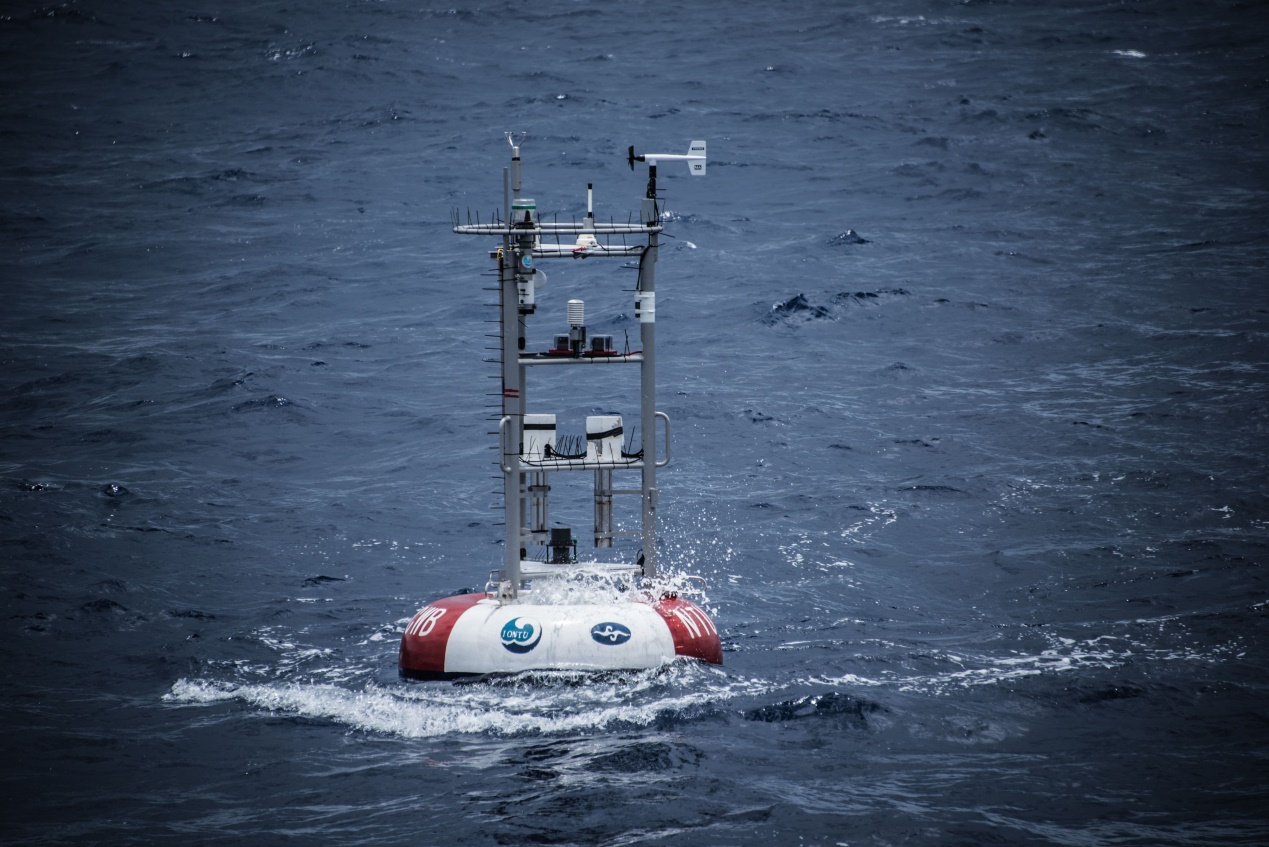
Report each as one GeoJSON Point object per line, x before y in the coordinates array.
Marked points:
{"type": "Point", "coordinates": [964, 339]}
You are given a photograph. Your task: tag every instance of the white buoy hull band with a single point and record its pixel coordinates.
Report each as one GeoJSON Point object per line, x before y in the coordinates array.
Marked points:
{"type": "Point", "coordinates": [472, 634]}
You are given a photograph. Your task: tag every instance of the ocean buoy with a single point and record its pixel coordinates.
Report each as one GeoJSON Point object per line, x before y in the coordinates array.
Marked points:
{"type": "Point", "coordinates": [471, 634]}
{"type": "Point", "coordinates": [530, 615]}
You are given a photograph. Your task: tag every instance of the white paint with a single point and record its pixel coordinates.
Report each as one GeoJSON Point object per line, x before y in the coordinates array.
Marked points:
{"type": "Point", "coordinates": [476, 646]}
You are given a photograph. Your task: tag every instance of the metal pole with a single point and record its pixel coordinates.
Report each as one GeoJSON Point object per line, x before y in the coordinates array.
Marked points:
{"type": "Point", "coordinates": [603, 507]}
{"type": "Point", "coordinates": [512, 405]}
{"type": "Point", "coordinates": [648, 380]}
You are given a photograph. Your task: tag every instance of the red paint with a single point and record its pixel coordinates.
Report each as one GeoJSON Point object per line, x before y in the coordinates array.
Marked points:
{"type": "Point", "coordinates": [693, 631]}
{"type": "Point", "coordinates": [423, 644]}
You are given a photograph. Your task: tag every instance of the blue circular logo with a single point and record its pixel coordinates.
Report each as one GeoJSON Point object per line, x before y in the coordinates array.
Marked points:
{"type": "Point", "coordinates": [520, 635]}
{"type": "Point", "coordinates": [527, 260]}
{"type": "Point", "coordinates": [610, 633]}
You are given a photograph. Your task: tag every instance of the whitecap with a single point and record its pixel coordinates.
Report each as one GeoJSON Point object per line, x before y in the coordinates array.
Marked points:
{"type": "Point", "coordinates": [544, 703]}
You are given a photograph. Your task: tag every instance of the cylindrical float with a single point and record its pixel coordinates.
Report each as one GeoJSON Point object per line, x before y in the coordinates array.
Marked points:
{"type": "Point", "coordinates": [472, 634]}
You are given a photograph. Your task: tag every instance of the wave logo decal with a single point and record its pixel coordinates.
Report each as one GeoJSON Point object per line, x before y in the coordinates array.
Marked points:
{"type": "Point", "coordinates": [520, 635]}
{"type": "Point", "coordinates": [610, 633]}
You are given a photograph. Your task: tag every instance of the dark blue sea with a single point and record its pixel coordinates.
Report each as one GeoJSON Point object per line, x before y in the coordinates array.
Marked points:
{"type": "Point", "coordinates": [964, 337]}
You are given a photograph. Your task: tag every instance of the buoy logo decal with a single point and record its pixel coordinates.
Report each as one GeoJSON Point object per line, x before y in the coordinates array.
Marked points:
{"type": "Point", "coordinates": [610, 633]}
{"type": "Point", "coordinates": [424, 622]}
{"type": "Point", "coordinates": [520, 635]}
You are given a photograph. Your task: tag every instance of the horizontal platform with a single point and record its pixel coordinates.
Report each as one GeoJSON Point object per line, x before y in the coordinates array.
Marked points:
{"type": "Point", "coordinates": [530, 569]}
{"type": "Point", "coordinates": [566, 251]}
{"type": "Point", "coordinates": [579, 464]}
{"type": "Point", "coordinates": [543, 359]}
{"type": "Point", "coordinates": [578, 228]}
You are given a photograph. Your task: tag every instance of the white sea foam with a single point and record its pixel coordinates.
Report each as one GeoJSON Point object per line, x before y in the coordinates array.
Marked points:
{"type": "Point", "coordinates": [508, 709]}
{"type": "Point", "coordinates": [580, 586]}
{"type": "Point", "coordinates": [1066, 655]}
{"type": "Point", "coordinates": [562, 702]}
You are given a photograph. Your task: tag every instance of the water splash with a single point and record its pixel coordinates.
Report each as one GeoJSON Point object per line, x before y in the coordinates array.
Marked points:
{"type": "Point", "coordinates": [537, 703]}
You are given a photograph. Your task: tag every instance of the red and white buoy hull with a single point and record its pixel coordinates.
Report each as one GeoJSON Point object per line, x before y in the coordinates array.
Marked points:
{"type": "Point", "coordinates": [471, 634]}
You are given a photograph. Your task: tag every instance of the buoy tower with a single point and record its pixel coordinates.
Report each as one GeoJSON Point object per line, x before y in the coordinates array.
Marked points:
{"type": "Point", "coordinates": [522, 620]}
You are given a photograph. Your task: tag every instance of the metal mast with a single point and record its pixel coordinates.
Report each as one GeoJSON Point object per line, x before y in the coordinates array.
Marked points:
{"type": "Point", "coordinates": [646, 311]}
{"type": "Point", "coordinates": [515, 265]}
{"type": "Point", "coordinates": [534, 456]}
